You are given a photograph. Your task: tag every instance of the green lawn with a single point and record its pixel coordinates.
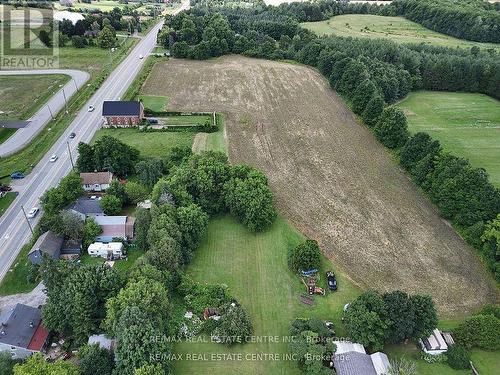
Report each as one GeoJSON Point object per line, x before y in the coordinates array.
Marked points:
{"type": "Point", "coordinates": [122, 266]}
{"type": "Point", "coordinates": [15, 280]}
{"type": "Point", "coordinates": [215, 141]}
{"type": "Point", "coordinates": [397, 29]}
{"type": "Point", "coordinates": [486, 363]}
{"type": "Point", "coordinates": [255, 269]}
{"type": "Point", "coordinates": [21, 96]}
{"type": "Point", "coordinates": [153, 102]}
{"type": "Point", "coordinates": [6, 201]}
{"type": "Point", "coordinates": [467, 125]}
{"type": "Point", "coordinates": [187, 120]}
{"type": "Point", "coordinates": [156, 144]}
{"type": "Point", "coordinates": [104, 5]}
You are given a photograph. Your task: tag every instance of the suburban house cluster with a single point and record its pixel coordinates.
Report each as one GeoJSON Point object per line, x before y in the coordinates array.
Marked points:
{"type": "Point", "coordinates": [114, 228]}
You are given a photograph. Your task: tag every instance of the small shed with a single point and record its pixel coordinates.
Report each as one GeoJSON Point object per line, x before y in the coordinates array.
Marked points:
{"type": "Point", "coordinates": [435, 344]}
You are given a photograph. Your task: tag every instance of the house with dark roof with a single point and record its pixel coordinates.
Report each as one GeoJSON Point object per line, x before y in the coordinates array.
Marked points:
{"type": "Point", "coordinates": [436, 343]}
{"type": "Point", "coordinates": [122, 113]}
{"type": "Point", "coordinates": [96, 181]}
{"type": "Point", "coordinates": [86, 207]}
{"type": "Point", "coordinates": [48, 244]}
{"type": "Point", "coordinates": [21, 331]}
{"type": "Point", "coordinates": [71, 249]}
{"type": "Point", "coordinates": [115, 227]}
{"type": "Point", "coordinates": [351, 359]}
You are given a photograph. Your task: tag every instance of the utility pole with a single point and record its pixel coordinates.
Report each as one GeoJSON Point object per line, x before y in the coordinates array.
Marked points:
{"type": "Point", "coordinates": [75, 83]}
{"type": "Point", "coordinates": [65, 101]}
{"type": "Point", "coordinates": [27, 220]}
{"type": "Point", "coordinates": [51, 114]}
{"type": "Point", "coordinates": [70, 156]}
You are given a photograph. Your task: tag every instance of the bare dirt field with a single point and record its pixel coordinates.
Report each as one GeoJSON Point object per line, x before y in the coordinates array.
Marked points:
{"type": "Point", "coordinates": [331, 178]}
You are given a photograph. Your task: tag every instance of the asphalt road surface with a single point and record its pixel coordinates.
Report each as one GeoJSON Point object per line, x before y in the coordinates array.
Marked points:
{"type": "Point", "coordinates": [23, 136]}
{"type": "Point", "coordinates": [14, 230]}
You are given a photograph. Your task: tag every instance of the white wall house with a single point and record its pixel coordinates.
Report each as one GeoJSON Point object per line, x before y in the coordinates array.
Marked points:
{"type": "Point", "coordinates": [96, 181]}
{"type": "Point", "coordinates": [110, 250]}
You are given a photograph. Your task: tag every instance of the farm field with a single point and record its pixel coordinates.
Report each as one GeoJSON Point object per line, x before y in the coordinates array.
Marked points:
{"type": "Point", "coordinates": [468, 125]}
{"type": "Point", "coordinates": [397, 29]}
{"type": "Point", "coordinates": [330, 177]}
{"type": "Point", "coordinates": [105, 5]}
{"type": "Point", "coordinates": [254, 267]}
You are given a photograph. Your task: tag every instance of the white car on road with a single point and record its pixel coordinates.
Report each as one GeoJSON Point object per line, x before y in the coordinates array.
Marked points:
{"type": "Point", "coordinates": [33, 212]}
{"type": "Point", "coordinates": [91, 108]}
{"type": "Point", "coordinates": [53, 158]}
{"type": "Point", "coordinates": [140, 56]}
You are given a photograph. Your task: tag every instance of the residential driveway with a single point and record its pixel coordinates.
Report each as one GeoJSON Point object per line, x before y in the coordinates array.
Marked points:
{"type": "Point", "coordinates": [34, 298]}
{"type": "Point", "coordinates": [37, 122]}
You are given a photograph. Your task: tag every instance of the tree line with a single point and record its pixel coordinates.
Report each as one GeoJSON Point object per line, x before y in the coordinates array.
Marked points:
{"type": "Point", "coordinates": [370, 75]}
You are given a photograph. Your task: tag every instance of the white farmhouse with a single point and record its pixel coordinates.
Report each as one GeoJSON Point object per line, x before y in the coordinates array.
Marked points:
{"type": "Point", "coordinates": [96, 181]}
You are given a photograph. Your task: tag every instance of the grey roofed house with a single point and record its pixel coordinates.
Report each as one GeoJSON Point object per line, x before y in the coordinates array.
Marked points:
{"type": "Point", "coordinates": [21, 331]}
{"type": "Point", "coordinates": [121, 108]}
{"type": "Point", "coordinates": [351, 359]}
{"type": "Point", "coordinates": [49, 244]}
{"type": "Point", "coordinates": [86, 207]}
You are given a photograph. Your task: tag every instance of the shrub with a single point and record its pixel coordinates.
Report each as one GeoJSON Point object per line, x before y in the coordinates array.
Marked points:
{"type": "Point", "coordinates": [480, 331]}
{"type": "Point", "coordinates": [305, 256]}
{"type": "Point", "coordinates": [391, 128]}
{"type": "Point", "coordinates": [234, 326]}
{"type": "Point", "coordinates": [402, 366]}
{"type": "Point", "coordinates": [458, 357]}
{"type": "Point", "coordinates": [111, 204]}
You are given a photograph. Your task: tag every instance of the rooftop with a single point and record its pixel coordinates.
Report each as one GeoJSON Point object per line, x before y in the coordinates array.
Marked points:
{"type": "Point", "coordinates": [49, 243]}
{"type": "Point", "coordinates": [20, 326]}
{"type": "Point", "coordinates": [87, 206]}
{"type": "Point", "coordinates": [121, 108]}
{"type": "Point", "coordinates": [92, 178]}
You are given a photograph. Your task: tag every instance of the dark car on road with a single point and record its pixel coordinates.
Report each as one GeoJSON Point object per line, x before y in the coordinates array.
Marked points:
{"type": "Point", "coordinates": [16, 176]}
{"type": "Point", "coordinates": [72, 135]}
{"type": "Point", "coordinates": [331, 280]}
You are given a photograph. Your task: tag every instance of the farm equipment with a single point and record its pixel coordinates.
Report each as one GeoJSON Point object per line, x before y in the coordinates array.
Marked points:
{"type": "Point", "coordinates": [311, 287]}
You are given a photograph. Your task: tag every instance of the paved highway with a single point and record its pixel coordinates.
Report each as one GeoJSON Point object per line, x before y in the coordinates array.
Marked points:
{"type": "Point", "coordinates": [14, 231]}
{"type": "Point", "coordinates": [57, 102]}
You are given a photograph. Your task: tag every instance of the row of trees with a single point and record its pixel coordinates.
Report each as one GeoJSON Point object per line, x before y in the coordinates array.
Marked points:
{"type": "Point", "coordinates": [374, 319]}
{"type": "Point", "coordinates": [472, 19]}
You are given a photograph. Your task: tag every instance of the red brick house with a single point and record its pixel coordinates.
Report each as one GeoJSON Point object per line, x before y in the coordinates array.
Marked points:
{"type": "Point", "coordinates": [122, 114]}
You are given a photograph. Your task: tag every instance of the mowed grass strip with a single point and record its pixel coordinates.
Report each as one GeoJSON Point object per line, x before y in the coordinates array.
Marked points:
{"type": "Point", "coordinates": [467, 125]}
{"type": "Point", "coordinates": [397, 29]}
{"type": "Point", "coordinates": [153, 144]}
{"type": "Point", "coordinates": [254, 266]}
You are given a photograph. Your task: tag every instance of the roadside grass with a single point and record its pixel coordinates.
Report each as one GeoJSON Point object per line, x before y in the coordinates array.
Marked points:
{"type": "Point", "coordinates": [468, 125]}
{"type": "Point", "coordinates": [152, 144]}
{"type": "Point", "coordinates": [6, 201]}
{"type": "Point", "coordinates": [26, 159]}
{"type": "Point", "coordinates": [254, 266]}
{"type": "Point", "coordinates": [154, 102]}
{"type": "Point", "coordinates": [5, 134]}
{"type": "Point", "coordinates": [21, 96]}
{"type": "Point", "coordinates": [398, 29]}
{"type": "Point", "coordinates": [16, 279]}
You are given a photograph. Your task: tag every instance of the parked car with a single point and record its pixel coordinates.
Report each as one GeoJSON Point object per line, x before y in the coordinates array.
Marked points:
{"type": "Point", "coordinates": [5, 187]}
{"type": "Point", "coordinates": [53, 158]}
{"type": "Point", "coordinates": [16, 176]}
{"type": "Point", "coordinates": [72, 135]}
{"type": "Point", "coordinates": [91, 108]}
{"type": "Point", "coordinates": [152, 121]}
{"type": "Point", "coordinates": [332, 281]}
{"type": "Point", "coordinates": [33, 212]}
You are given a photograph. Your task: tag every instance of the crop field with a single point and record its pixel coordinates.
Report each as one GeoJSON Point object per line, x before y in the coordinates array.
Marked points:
{"type": "Point", "coordinates": [254, 267]}
{"type": "Point", "coordinates": [397, 29]}
{"type": "Point", "coordinates": [331, 178]}
{"type": "Point", "coordinates": [467, 125]}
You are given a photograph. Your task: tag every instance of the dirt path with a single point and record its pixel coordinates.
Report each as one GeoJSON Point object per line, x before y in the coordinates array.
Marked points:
{"type": "Point", "coordinates": [331, 178]}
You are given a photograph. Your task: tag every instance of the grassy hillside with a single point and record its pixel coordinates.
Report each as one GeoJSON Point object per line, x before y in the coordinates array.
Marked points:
{"type": "Point", "coordinates": [397, 29]}
{"type": "Point", "coordinates": [467, 125]}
